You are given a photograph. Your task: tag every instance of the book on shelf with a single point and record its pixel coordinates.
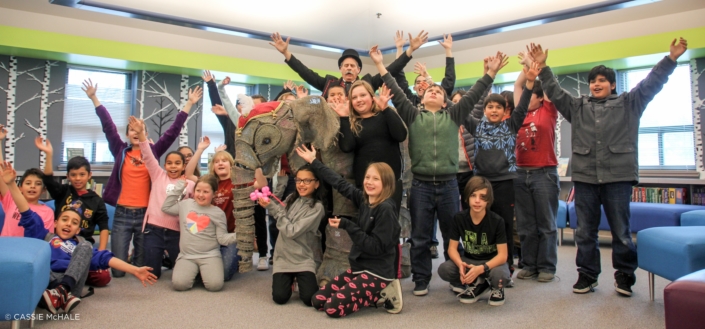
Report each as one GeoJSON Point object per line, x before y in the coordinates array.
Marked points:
{"type": "Point", "coordinates": [671, 195]}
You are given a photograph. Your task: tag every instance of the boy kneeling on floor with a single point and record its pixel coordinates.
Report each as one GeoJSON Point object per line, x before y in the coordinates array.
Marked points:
{"type": "Point", "coordinates": [71, 255]}
{"type": "Point", "coordinates": [485, 242]}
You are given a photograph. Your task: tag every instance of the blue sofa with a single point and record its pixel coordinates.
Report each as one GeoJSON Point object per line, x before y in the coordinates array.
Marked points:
{"type": "Point", "coordinates": [643, 215]}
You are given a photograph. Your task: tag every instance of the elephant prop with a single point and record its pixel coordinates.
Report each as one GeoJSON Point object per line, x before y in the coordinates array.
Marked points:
{"type": "Point", "coordinates": [271, 130]}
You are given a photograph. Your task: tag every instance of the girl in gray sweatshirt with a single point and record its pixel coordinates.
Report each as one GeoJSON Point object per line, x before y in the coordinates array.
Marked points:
{"type": "Point", "coordinates": [203, 230]}
{"type": "Point", "coordinates": [298, 231]}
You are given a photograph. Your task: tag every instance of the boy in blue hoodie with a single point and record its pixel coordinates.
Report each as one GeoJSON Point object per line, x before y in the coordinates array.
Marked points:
{"type": "Point", "coordinates": [71, 255]}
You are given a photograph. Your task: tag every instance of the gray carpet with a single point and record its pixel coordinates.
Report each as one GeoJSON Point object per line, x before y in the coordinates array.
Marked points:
{"type": "Point", "coordinates": [245, 302]}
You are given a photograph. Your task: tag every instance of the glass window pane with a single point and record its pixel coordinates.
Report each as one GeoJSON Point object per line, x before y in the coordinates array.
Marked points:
{"type": "Point", "coordinates": [102, 152]}
{"type": "Point", "coordinates": [678, 149]}
{"type": "Point", "coordinates": [674, 99]}
{"type": "Point", "coordinates": [87, 150]}
{"type": "Point", "coordinates": [648, 150]}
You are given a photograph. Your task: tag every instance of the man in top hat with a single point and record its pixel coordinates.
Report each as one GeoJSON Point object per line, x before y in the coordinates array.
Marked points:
{"type": "Point", "coordinates": [349, 64]}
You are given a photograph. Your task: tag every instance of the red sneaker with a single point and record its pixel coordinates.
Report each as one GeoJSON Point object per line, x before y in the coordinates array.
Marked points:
{"type": "Point", "coordinates": [71, 302]}
{"type": "Point", "coordinates": [55, 299]}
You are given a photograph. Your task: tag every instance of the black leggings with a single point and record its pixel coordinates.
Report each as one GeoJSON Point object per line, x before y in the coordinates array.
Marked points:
{"type": "Point", "coordinates": [281, 286]}
{"type": "Point", "coordinates": [261, 230]}
{"type": "Point", "coordinates": [347, 293]}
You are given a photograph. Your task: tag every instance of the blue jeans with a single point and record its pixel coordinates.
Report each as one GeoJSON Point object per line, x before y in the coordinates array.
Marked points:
{"type": "Point", "coordinates": [615, 198]}
{"type": "Point", "coordinates": [428, 201]}
{"type": "Point", "coordinates": [127, 226]}
{"type": "Point", "coordinates": [536, 201]}
{"type": "Point", "coordinates": [156, 240]}
{"type": "Point", "coordinates": [230, 260]}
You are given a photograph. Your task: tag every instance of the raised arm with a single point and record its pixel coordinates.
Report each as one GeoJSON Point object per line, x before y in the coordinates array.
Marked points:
{"type": "Point", "coordinates": [115, 142]}
{"type": "Point", "coordinates": [406, 109]}
{"type": "Point", "coordinates": [461, 111]}
{"type": "Point", "coordinates": [565, 103]}
{"type": "Point", "coordinates": [448, 82]}
{"type": "Point", "coordinates": [165, 141]}
{"type": "Point", "coordinates": [150, 161]}
{"type": "Point", "coordinates": [522, 107]}
{"type": "Point", "coordinates": [209, 79]}
{"type": "Point", "coordinates": [397, 128]}
{"type": "Point", "coordinates": [329, 176]}
{"type": "Point", "coordinates": [55, 189]}
{"type": "Point", "coordinates": [196, 158]}
{"type": "Point", "coordinates": [230, 108]}
{"type": "Point", "coordinates": [308, 75]}
{"type": "Point", "coordinates": [398, 64]}
{"type": "Point", "coordinates": [640, 96]}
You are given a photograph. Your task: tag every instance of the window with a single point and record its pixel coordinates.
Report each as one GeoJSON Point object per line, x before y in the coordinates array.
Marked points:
{"type": "Point", "coordinates": [499, 88]}
{"type": "Point", "coordinates": [666, 139]}
{"type": "Point", "coordinates": [82, 128]}
{"type": "Point", "coordinates": [210, 125]}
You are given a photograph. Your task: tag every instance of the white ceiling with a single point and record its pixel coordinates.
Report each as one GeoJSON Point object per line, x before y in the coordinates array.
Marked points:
{"type": "Point", "coordinates": [352, 24]}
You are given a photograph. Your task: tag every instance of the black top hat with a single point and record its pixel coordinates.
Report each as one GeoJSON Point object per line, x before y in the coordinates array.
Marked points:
{"type": "Point", "coordinates": [350, 53]}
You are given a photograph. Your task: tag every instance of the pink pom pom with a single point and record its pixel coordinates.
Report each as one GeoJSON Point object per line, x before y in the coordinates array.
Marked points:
{"type": "Point", "coordinates": [265, 190]}
{"type": "Point", "coordinates": [253, 196]}
{"type": "Point", "coordinates": [259, 194]}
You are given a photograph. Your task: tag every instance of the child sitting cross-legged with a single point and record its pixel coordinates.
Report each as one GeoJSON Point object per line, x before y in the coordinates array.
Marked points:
{"type": "Point", "coordinates": [203, 230]}
{"type": "Point", "coordinates": [485, 242]}
{"type": "Point", "coordinates": [72, 257]}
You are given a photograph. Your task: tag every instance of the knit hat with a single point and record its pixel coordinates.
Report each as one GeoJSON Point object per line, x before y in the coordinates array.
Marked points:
{"type": "Point", "coordinates": [350, 53]}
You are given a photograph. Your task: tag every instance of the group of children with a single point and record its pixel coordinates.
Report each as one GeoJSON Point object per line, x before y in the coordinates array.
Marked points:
{"type": "Point", "coordinates": [173, 215]}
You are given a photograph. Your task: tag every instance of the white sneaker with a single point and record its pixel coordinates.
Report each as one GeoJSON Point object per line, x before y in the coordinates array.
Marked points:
{"type": "Point", "coordinates": [263, 264]}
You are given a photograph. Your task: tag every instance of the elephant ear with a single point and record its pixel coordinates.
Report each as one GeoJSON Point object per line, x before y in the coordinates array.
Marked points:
{"type": "Point", "coordinates": [316, 123]}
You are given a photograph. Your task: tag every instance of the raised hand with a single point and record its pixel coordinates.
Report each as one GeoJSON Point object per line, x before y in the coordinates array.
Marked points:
{"type": "Point", "coordinates": [496, 63]}
{"type": "Point", "coordinates": [279, 43]}
{"type": "Point", "coordinates": [301, 91]}
{"type": "Point", "coordinates": [385, 94]}
{"type": "Point", "coordinates": [418, 41]}
{"type": "Point", "coordinates": [525, 59]}
{"type": "Point", "coordinates": [3, 132]}
{"type": "Point", "coordinates": [222, 147]}
{"type": "Point", "coordinates": [678, 49]}
{"type": "Point", "coordinates": [376, 55]}
{"type": "Point", "coordinates": [342, 107]}
{"type": "Point", "coordinates": [204, 143]}
{"type": "Point", "coordinates": [537, 53]}
{"type": "Point", "coordinates": [420, 69]}
{"type": "Point", "coordinates": [218, 109]}
{"type": "Point", "coordinates": [143, 274]}
{"type": "Point", "coordinates": [447, 41]}
{"type": "Point", "coordinates": [8, 173]}
{"type": "Point", "coordinates": [136, 124]}
{"type": "Point", "coordinates": [195, 94]}
{"type": "Point", "coordinates": [226, 81]}
{"type": "Point", "coordinates": [305, 153]}
{"type": "Point", "coordinates": [207, 76]}
{"type": "Point", "coordinates": [399, 40]}
{"type": "Point", "coordinates": [89, 88]}
{"type": "Point", "coordinates": [485, 68]}
{"type": "Point", "coordinates": [290, 85]}
{"type": "Point", "coordinates": [533, 72]}
{"type": "Point", "coordinates": [43, 145]}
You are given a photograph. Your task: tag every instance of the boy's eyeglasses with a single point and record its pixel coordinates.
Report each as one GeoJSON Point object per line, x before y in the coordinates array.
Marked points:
{"type": "Point", "coordinates": [305, 181]}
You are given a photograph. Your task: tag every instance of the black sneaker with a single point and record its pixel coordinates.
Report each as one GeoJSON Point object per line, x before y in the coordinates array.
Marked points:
{"type": "Point", "coordinates": [623, 283]}
{"type": "Point", "coordinates": [585, 284]}
{"type": "Point", "coordinates": [474, 291]}
{"type": "Point", "coordinates": [421, 288]}
{"type": "Point", "coordinates": [496, 297]}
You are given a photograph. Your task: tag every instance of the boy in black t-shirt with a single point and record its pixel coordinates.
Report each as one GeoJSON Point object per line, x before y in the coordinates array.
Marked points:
{"type": "Point", "coordinates": [485, 242]}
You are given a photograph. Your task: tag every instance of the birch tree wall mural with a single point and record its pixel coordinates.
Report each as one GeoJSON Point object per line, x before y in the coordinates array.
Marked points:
{"type": "Point", "coordinates": [45, 104]}
{"type": "Point", "coordinates": [12, 107]}
{"type": "Point", "coordinates": [697, 79]}
{"type": "Point", "coordinates": [160, 96]}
